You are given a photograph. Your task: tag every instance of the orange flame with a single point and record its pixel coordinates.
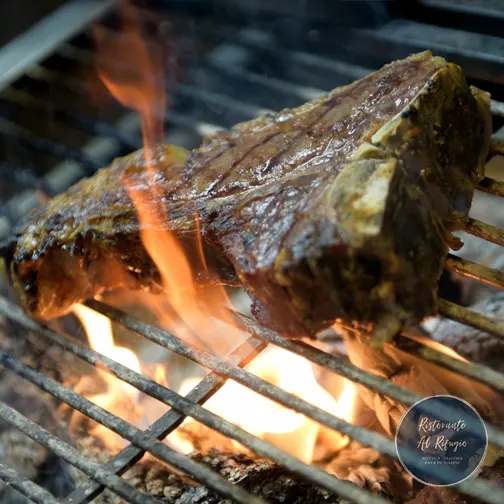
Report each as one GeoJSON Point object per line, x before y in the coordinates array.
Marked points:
{"type": "Point", "coordinates": [198, 310]}
{"type": "Point", "coordinates": [141, 88]}
{"type": "Point", "coordinates": [435, 345]}
{"type": "Point", "coordinates": [118, 395]}
{"type": "Point", "coordinates": [291, 431]}
{"type": "Point", "coordinates": [132, 71]}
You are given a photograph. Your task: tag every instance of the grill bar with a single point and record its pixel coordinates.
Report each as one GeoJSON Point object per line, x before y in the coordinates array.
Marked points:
{"type": "Point", "coordinates": [240, 109]}
{"type": "Point", "coordinates": [492, 186]}
{"type": "Point", "coordinates": [188, 408]}
{"type": "Point", "coordinates": [173, 118]}
{"type": "Point", "coordinates": [169, 421]}
{"type": "Point", "coordinates": [148, 443]}
{"type": "Point", "coordinates": [222, 370]}
{"type": "Point", "coordinates": [485, 231]}
{"type": "Point", "coordinates": [72, 456]}
{"type": "Point", "coordinates": [25, 486]}
{"type": "Point", "coordinates": [474, 270]}
{"type": "Point", "coordinates": [38, 143]}
{"type": "Point", "coordinates": [377, 383]}
{"type": "Point", "coordinates": [487, 492]}
{"type": "Point", "coordinates": [479, 372]}
{"type": "Point", "coordinates": [471, 318]}
{"type": "Point", "coordinates": [45, 36]}
{"type": "Point", "coordinates": [92, 126]}
{"type": "Point", "coordinates": [384, 445]}
{"type": "Point", "coordinates": [345, 369]}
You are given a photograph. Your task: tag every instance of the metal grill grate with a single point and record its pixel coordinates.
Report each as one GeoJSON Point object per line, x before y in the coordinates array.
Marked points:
{"type": "Point", "coordinates": [199, 112]}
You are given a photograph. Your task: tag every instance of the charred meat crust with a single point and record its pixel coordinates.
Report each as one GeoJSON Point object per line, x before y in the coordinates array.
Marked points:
{"type": "Point", "coordinates": [340, 208]}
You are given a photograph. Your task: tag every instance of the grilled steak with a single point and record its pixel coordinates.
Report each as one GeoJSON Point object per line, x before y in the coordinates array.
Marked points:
{"type": "Point", "coordinates": [341, 208]}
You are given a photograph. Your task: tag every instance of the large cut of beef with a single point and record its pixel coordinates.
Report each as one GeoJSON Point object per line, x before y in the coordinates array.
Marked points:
{"type": "Point", "coordinates": [339, 209]}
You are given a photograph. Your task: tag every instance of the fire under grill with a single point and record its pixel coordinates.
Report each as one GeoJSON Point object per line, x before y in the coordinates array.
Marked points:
{"type": "Point", "coordinates": [228, 60]}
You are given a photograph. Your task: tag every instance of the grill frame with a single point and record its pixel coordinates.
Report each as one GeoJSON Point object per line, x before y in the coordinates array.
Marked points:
{"type": "Point", "coordinates": [107, 476]}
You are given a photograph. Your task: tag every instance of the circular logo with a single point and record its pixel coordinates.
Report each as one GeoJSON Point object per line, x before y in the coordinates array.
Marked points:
{"type": "Point", "coordinates": [441, 440]}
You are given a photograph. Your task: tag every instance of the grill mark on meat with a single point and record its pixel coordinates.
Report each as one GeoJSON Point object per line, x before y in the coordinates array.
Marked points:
{"type": "Point", "coordinates": [219, 181]}
{"type": "Point", "coordinates": [274, 160]}
{"type": "Point", "coordinates": [384, 86]}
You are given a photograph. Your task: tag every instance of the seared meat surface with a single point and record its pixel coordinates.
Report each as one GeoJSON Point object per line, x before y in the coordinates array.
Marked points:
{"type": "Point", "coordinates": [339, 209]}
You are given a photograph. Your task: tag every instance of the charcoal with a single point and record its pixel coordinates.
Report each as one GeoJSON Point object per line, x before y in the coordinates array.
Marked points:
{"type": "Point", "coordinates": [258, 476]}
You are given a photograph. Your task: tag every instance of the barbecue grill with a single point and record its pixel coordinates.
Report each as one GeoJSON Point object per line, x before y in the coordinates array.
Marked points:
{"type": "Point", "coordinates": [238, 63]}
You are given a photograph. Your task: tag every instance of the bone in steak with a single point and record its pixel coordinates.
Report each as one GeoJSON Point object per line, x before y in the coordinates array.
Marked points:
{"type": "Point", "coordinates": [341, 208]}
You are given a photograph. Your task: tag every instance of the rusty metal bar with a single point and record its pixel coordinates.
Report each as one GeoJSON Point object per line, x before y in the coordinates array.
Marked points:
{"type": "Point", "coordinates": [471, 318]}
{"type": "Point", "coordinates": [127, 431]}
{"type": "Point", "coordinates": [213, 421]}
{"type": "Point", "coordinates": [476, 271]}
{"type": "Point", "coordinates": [72, 456]}
{"type": "Point", "coordinates": [346, 369]}
{"type": "Point", "coordinates": [26, 487]}
{"type": "Point", "coordinates": [485, 231]}
{"type": "Point", "coordinates": [376, 383]}
{"type": "Point", "coordinates": [476, 371]}
{"type": "Point", "coordinates": [484, 490]}
{"type": "Point", "coordinates": [167, 423]}
{"type": "Point", "coordinates": [492, 186]}
{"type": "Point", "coordinates": [379, 384]}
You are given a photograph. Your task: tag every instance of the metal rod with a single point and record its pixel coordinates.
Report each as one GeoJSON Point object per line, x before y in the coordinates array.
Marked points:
{"type": "Point", "coordinates": [72, 456]}
{"type": "Point", "coordinates": [26, 487]}
{"type": "Point", "coordinates": [127, 431]}
{"type": "Point", "coordinates": [37, 143]}
{"type": "Point", "coordinates": [93, 126]}
{"type": "Point", "coordinates": [476, 371]}
{"type": "Point", "coordinates": [36, 43]}
{"type": "Point", "coordinates": [167, 423]}
{"type": "Point", "coordinates": [376, 383]}
{"type": "Point", "coordinates": [474, 270]}
{"type": "Point", "coordinates": [409, 344]}
{"type": "Point", "coordinates": [213, 421]}
{"type": "Point", "coordinates": [379, 384]}
{"type": "Point", "coordinates": [245, 109]}
{"type": "Point", "coordinates": [471, 318]}
{"type": "Point", "coordinates": [485, 231]}
{"type": "Point", "coordinates": [246, 378]}
{"type": "Point", "coordinates": [381, 443]}
{"type": "Point", "coordinates": [492, 186]}
{"type": "Point", "coordinates": [173, 118]}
